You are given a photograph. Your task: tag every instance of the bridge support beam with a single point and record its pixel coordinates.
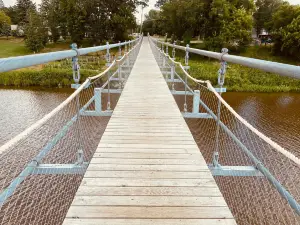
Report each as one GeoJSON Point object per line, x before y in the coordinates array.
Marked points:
{"type": "Point", "coordinates": [63, 169]}
{"type": "Point", "coordinates": [196, 101]}
{"type": "Point", "coordinates": [181, 92]}
{"type": "Point", "coordinates": [98, 100]}
{"type": "Point", "coordinates": [196, 115]}
{"type": "Point", "coordinates": [235, 171]}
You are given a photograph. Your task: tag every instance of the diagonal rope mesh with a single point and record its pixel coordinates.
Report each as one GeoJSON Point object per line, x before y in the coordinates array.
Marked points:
{"type": "Point", "coordinates": [252, 200]}
{"type": "Point", "coordinates": [36, 184]}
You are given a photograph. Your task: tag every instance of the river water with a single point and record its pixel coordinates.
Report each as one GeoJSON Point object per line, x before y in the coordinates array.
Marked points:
{"type": "Point", "coordinates": [276, 115]}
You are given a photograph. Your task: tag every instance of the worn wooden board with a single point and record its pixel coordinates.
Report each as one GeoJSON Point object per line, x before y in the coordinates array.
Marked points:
{"type": "Point", "coordinates": [147, 168]}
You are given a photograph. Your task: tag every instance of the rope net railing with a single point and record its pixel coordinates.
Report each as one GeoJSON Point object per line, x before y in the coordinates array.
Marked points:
{"type": "Point", "coordinates": [41, 169]}
{"type": "Point", "coordinates": [253, 199]}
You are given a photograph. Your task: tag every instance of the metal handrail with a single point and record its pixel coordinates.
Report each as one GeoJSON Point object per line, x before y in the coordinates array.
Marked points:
{"type": "Point", "coordinates": [268, 66]}
{"type": "Point", "coordinates": [12, 63]}
{"type": "Point", "coordinates": [42, 121]}
{"type": "Point", "coordinates": [258, 164]}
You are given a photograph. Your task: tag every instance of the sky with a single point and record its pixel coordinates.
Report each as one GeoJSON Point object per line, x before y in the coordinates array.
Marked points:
{"type": "Point", "coordinates": [138, 14]}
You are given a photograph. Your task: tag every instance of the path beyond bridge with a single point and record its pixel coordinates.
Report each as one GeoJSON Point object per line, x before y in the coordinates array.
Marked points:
{"type": "Point", "coordinates": [147, 168]}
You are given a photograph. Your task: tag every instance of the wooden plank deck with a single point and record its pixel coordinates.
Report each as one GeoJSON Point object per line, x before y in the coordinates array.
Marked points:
{"type": "Point", "coordinates": [147, 168]}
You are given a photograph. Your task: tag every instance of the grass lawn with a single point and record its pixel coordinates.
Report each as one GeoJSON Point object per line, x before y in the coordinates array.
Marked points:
{"type": "Point", "coordinates": [53, 74]}
{"type": "Point", "coordinates": [242, 78]}
{"type": "Point", "coordinates": [12, 47]}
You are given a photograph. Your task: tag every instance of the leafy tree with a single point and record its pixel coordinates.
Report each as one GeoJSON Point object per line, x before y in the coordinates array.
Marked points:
{"type": "Point", "coordinates": [4, 24]}
{"type": "Point", "coordinates": [75, 13]}
{"type": "Point", "coordinates": [291, 38]}
{"type": "Point", "coordinates": [51, 14]}
{"type": "Point", "coordinates": [236, 34]}
{"type": "Point", "coordinates": [285, 29]}
{"type": "Point", "coordinates": [159, 3]}
{"type": "Point", "coordinates": [153, 23]}
{"type": "Point", "coordinates": [264, 12]}
{"type": "Point", "coordinates": [35, 33]}
{"type": "Point", "coordinates": [23, 8]}
{"type": "Point", "coordinates": [97, 22]}
{"type": "Point", "coordinates": [220, 22]}
{"type": "Point", "coordinates": [180, 15]}
{"type": "Point", "coordinates": [12, 13]}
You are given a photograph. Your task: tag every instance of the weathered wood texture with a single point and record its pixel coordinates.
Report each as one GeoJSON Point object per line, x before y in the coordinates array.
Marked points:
{"type": "Point", "coordinates": [147, 168]}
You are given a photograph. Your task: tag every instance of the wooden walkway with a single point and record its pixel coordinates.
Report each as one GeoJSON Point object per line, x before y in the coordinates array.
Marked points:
{"type": "Point", "coordinates": [147, 168]}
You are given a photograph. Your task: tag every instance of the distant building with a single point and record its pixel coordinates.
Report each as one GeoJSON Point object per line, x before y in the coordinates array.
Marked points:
{"type": "Point", "coordinates": [13, 27]}
{"type": "Point", "coordinates": [262, 33]}
{"type": "Point", "coordinates": [18, 30]}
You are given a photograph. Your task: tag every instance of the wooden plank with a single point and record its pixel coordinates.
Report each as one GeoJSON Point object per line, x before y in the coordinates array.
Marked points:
{"type": "Point", "coordinates": [148, 167]}
{"type": "Point", "coordinates": [183, 201]}
{"type": "Point", "coordinates": [127, 161]}
{"type": "Point", "coordinates": [145, 155]}
{"type": "Point", "coordinates": [149, 212]}
{"type": "Point", "coordinates": [148, 191]}
{"type": "Point", "coordinates": [147, 134]}
{"type": "Point", "coordinates": [149, 221]}
{"type": "Point", "coordinates": [148, 142]}
{"type": "Point", "coordinates": [148, 137]}
{"type": "Point", "coordinates": [148, 145]}
{"type": "Point", "coordinates": [147, 174]}
{"type": "Point", "coordinates": [126, 182]}
{"type": "Point", "coordinates": [146, 150]}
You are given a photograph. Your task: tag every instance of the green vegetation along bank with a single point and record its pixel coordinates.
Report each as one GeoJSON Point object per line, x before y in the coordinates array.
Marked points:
{"type": "Point", "coordinates": [241, 78]}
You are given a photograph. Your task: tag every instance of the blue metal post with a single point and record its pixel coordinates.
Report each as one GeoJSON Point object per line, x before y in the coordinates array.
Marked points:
{"type": "Point", "coordinates": [196, 101]}
{"type": "Point", "coordinates": [98, 100]}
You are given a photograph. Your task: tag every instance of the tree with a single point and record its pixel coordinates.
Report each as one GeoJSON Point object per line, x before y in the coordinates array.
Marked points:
{"type": "Point", "coordinates": [35, 33]}
{"type": "Point", "coordinates": [51, 15]}
{"type": "Point", "coordinates": [180, 16]}
{"type": "Point", "coordinates": [23, 8]}
{"type": "Point", "coordinates": [75, 14]}
{"type": "Point", "coordinates": [285, 29]}
{"type": "Point", "coordinates": [4, 24]}
{"type": "Point", "coordinates": [160, 3]}
{"type": "Point", "coordinates": [264, 12]}
{"type": "Point", "coordinates": [291, 38]}
{"type": "Point", "coordinates": [97, 21]}
{"type": "Point", "coordinates": [12, 13]}
{"type": "Point", "coordinates": [153, 23]}
{"type": "Point", "coordinates": [220, 22]}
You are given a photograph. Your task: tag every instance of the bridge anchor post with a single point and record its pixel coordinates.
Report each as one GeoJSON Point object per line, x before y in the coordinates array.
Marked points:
{"type": "Point", "coordinates": [98, 100]}
{"type": "Point", "coordinates": [196, 101]}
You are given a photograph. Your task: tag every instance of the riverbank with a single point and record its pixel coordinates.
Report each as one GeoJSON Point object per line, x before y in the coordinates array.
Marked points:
{"type": "Point", "coordinates": [54, 74]}
{"type": "Point", "coordinates": [46, 77]}
{"type": "Point", "coordinates": [240, 78]}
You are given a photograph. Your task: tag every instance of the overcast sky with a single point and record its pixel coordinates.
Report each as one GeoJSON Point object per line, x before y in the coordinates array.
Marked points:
{"type": "Point", "coordinates": [138, 14]}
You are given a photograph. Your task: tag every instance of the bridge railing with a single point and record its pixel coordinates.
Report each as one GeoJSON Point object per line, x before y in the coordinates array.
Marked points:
{"type": "Point", "coordinates": [268, 66]}
{"type": "Point", "coordinates": [12, 63]}
{"type": "Point", "coordinates": [251, 170]}
{"type": "Point", "coordinates": [42, 167]}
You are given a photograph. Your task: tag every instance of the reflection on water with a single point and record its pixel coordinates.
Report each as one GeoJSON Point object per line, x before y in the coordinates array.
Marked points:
{"type": "Point", "coordinates": [276, 115]}
{"type": "Point", "coordinates": [21, 108]}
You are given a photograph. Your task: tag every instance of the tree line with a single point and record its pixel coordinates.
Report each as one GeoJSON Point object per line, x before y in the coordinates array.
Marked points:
{"type": "Point", "coordinates": [228, 23]}
{"type": "Point", "coordinates": [91, 20]}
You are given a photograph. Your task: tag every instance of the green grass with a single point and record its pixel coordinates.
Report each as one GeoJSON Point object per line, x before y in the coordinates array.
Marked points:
{"type": "Point", "coordinates": [12, 47]}
{"type": "Point", "coordinates": [47, 77]}
{"type": "Point", "coordinates": [16, 47]}
{"type": "Point", "coordinates": [52, 74]}
{"type": "Point", "coordinates": [241, 78]}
